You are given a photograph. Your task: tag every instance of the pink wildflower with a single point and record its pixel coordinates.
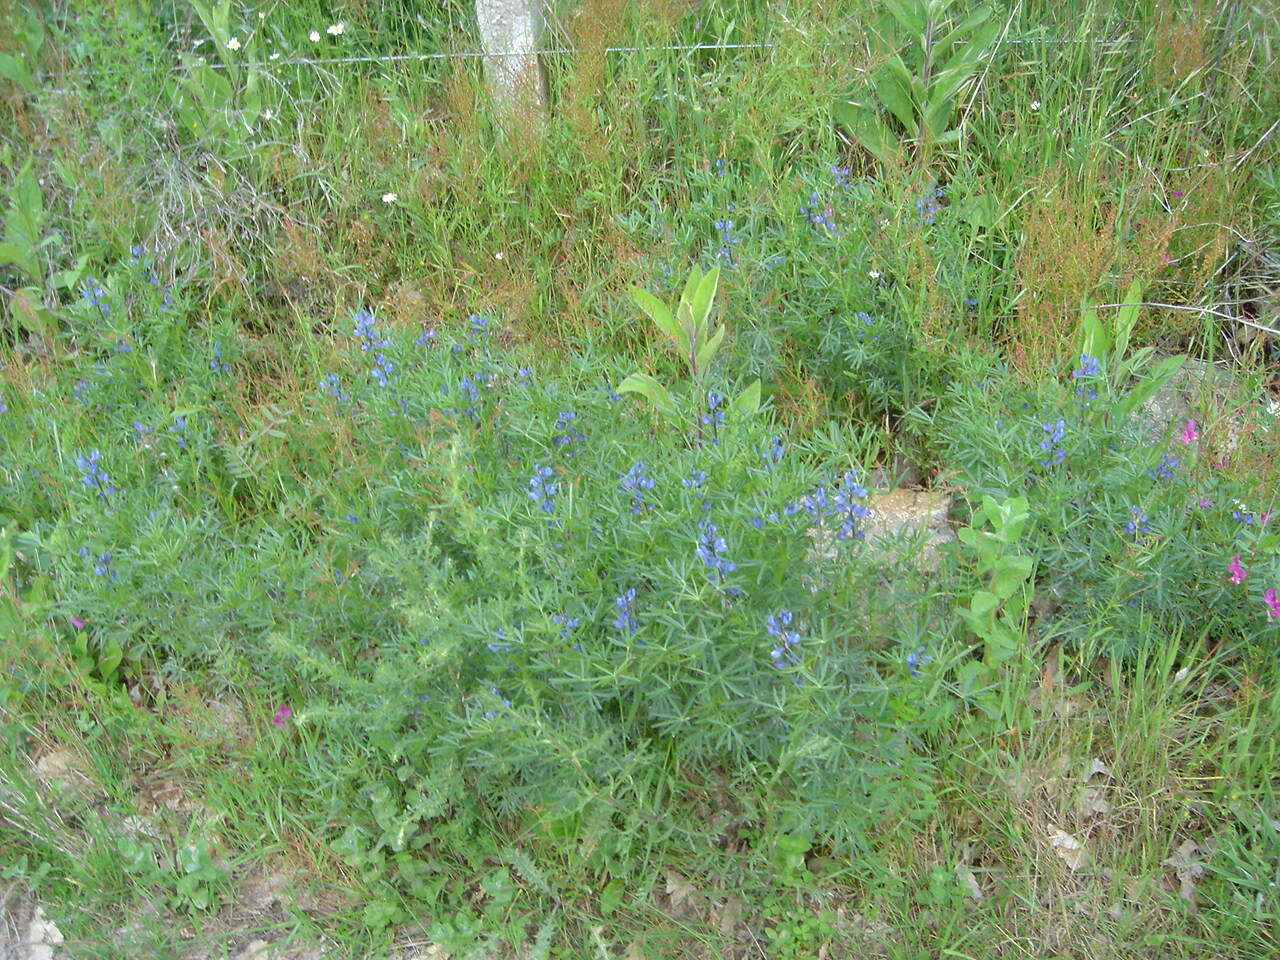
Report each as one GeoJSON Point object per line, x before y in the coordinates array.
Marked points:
{"type": "Point", "coordinates": [1177, 194]}
{"type": "Point", "coordinates": [1237, 572]}
{"type": "Point", "coordinates": [283, 713]}
{"type": "Point", "coordinates": [78, 623]}
{"type": "Point", "coordinates": [1189, 432]}
{"type": "Point", "coordinates": [1273, 603]}
{"type": "Point", "coordinates": [1204, 504]}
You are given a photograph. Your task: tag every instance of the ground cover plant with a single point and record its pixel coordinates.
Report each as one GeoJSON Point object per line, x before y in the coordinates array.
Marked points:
{"type": "Point", "coordinates": [431, 532]}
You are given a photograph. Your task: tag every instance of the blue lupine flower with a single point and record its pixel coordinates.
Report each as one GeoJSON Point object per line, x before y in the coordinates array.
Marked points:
{"type": "Point", "coordinates": [1055, 432]}
{"type": "Point", "coordinates": [1165, 469]}
{"type": "Point", "coordinates": [4, 407]}
{"type": "Point", "coordinates": [469, 385]}
{"type": "Point", "coordinates": [93, 293]}
{"type": "Point", "coordinates": [718, 167]}
{"type": "Point", "coordinates": [772, 456]}
{"type": "Point", "coordinates": [1089, 367]}
{"type": "Point", "coordinates": [567, 624]}
{"type": "Point", "coordinates": [783, 653]}
{"type": "Point", "coordinates": [366, 331]}
{"type": "Point", "coordinates": [916, 659]}
{"type": "Point", "coordinates": [332, 385]}
{"type": "Point", "coordinates": [216, 364]}
{"type": "Point", "coordinates": [179, 426]}
{"type": "Point", "coordinates": [635, 481]}
{"type": "Point", "coordinates": [711, 550]}
{"type": "Point", "coordinates": [728, 239]}
{"type": "Point", "coordinates": [714, 417]}
{"type": "Point", "coordinates": [848, 509]}
{"type": "Point", "coordinates": [499, 644]}
{"type": "Point", "coordinates": [564, 422]}
{"type": "Point", "coordinates": [1137, 521]}
{"type": "Point", "coordinates": [81, 392]}
{"type": "Point", "coordinates": [479, 325]}
{"type": "Point", "coordinates": [524, 375]}
{"type": "Point", "coordinates": [841, 175]}
{"type": "Point", "coordinates": [820, 215]}
{"type": "Point", "coordinates": [695, 479]}
{"type": "Point", "coordinates": [541, 490]}
{"type": "Point", "coordinates": [501, 699]}
{"type": "Point", "coordinates": [94, 477]}
{"type": "Point", "coordinates": [382, 368]}
{"type": "Point", "coordinates": [927, 206]}
{"type": "Point", "coordinates": [102, 566]}
{"type": "Point", "coordinates": [626, 618]}
{"type": "Point", "coordinates": [426, 338]}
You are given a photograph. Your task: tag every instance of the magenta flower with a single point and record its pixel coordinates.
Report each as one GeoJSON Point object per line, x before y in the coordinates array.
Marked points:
{"type": "Point", "coordinates": [283, 713]}
{"type": "Point", "coordinates": [1189, 432]}
{"type": "Point", "coordinates": [1237, 572]}
{"type": "Point", "coordinates": [78, 623]}
{"type": "Point", "coordinates": [1203, 504]}
{"type": "Point", "coordinates": [1273, 603]}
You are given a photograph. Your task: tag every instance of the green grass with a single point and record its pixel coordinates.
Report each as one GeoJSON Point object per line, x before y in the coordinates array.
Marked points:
{"type": "Point", "coordinates": [482, 752]}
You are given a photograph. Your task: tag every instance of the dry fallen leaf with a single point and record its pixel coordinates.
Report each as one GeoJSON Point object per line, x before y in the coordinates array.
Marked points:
{"type": "Point", "coordinates": [729, 914]}
{"type": "Point", "coordinates": [1091, 803]}
{"type": "Point", "coordinates": [1095, 768]}
{"type": "Point", "coordinates": [1073, 853]}
{"type": "Point", "coordinates": [969, 882]}
{"type": "Point", "coordinates": [678, 888]}
{"type": "Point", "coordinates": [1188, 868]}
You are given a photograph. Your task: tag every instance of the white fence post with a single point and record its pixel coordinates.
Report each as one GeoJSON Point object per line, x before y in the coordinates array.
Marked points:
{"type": "Point", "coordinates": [513, 28]}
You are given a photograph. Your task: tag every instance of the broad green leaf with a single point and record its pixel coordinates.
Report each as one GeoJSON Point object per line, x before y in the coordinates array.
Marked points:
{"type": "Point", "coordinates": [691, 284]}
{"type": "Point", "coordinates": [868, 130]}
{"type": "Point", "coordinates": [983, 603]}
{"type": "Point", "coordinates": [1010, 573]}
{"type": "Point", "coordinates": [611, 896]}
{"type": "Point", "coordinates": [1165, 369]}
{"type": "Point", "coordinates": [1127, 317]}
{"type": "Point", "coordinates": [21, 256]}
{"type": "Point", "coordinates": [707, 352]}
{"type": "Point", "coordinates": [1094, 338]}
{"type": "Point", "coordinates": [650, 389]}
{"type": "Point", "coordinates": [909, 13]}
{"type": "Point", "coordinates": [659, 314]}
{"type": "Point", "coordinates": [747, 402]}
{"type": "Point", "coordinates": [893, 88]}
{"type": "Point", "coordinates": [703, 296]}
{"type": "Point", "coordinates": [13, 69]}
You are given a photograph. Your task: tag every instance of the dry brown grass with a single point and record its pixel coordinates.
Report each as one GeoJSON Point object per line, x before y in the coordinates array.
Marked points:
{"type": "Point", "coordinates": [1180, 39]}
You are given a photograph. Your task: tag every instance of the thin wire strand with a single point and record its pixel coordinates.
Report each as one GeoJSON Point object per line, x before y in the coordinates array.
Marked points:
{"type": "Point", "coordinates": [681, 48]}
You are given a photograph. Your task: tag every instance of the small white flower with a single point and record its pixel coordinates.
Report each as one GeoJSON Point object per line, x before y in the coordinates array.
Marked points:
{"type": "Point", "coordinates": [268, 114]}
{"type": "Point", "coordinates": [499, 255]}
{"type": "Point", "coordinates": [335, 29]}
{"type": "Point", "coordinates": [196, 43]}
{"type": "Point", "coordinates": [885, 223]}
{"type": "Point", "coordinates": [262, 14]}
{"type": "Point", "coordinates": [1035, 104]}
{"type": "Point", "coordinates": [389, 198]}
{"type": "Point", "coordinates": [314, 36]}
{"type": "Point", "coordinates": [274, 56]}
{"type": "Point", "coordinates": [873, 274]}
{"type": "Point", "coordinates": [233, 44]}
